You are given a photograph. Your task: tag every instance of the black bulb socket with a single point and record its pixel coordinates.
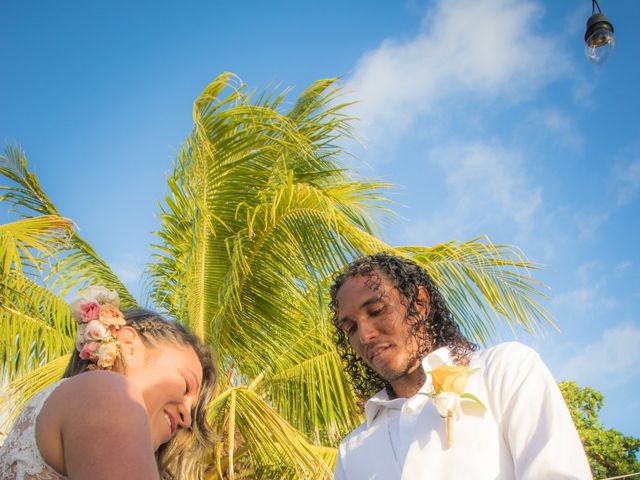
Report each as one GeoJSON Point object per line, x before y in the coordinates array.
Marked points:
{"type": "Point", "coordinates": [596, 22]}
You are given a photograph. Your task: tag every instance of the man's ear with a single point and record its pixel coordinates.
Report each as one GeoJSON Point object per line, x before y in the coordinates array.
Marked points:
{"type": "Point", "coordinates": [423, 302]}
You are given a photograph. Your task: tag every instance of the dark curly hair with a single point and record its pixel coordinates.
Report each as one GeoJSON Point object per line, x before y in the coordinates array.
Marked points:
{"type": "Point", "coordinates": [436, 329]}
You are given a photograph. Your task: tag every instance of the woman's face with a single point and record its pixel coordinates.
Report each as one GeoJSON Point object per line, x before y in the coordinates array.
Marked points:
{"type": "Point", "coordinates": [169, 377]}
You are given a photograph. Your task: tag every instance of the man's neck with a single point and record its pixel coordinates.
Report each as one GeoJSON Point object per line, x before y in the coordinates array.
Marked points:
{"type": "Point", "coordinates": [409, 384]}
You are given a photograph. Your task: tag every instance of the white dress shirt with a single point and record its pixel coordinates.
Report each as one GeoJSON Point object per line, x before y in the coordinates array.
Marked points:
{"type": "Point", "coordinates": [525, 432]}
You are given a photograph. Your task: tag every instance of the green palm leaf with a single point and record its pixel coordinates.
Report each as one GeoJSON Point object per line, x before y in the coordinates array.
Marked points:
{"type": "Point", "coordinates": [259, 214]}
{"type": "Point", "coordinates": [28, 244]}
{"type": "Point", "coordinates": [35, 326]}
{"type": "Point", "coordinates": [306, 383]}
{"type": "Point", "coordinates": [14, 398]}
{"type": "Point", "coordinates": [78, 263]}
{"type": "Point", "coordinates": [485, 284]}
{"type": "Point", "coordinates": [274, 446]}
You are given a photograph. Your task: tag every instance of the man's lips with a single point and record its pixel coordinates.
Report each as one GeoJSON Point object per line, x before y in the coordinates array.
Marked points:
{"type": "Point", "coordinates": [373, 352]}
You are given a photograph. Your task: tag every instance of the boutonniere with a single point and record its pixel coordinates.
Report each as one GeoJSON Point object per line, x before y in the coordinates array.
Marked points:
{"type": "Point", "coordinates": [449, 383]}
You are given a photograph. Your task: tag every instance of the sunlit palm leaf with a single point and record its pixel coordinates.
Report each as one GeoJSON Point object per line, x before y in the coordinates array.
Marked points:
{"type": "Point", "coordinates": [306, 382]}
{"type": "Point", "coordinates": [19, 392]}
{"type": "Point", "coordinates": [273, 444]}
{"type": "Point", "coordinates": [35, 326]}
{"type": "Point", "coordinates": [26, 193]}
{"type": "Point", "coordinates": [78, 264]}
{"type": "Point", "coordinates": [485, 284]}
{"type": "Point", "coordinates": [255, 217]}
{"type": "Point", "coordinates": [25, 244]}
{"type": "Point", "coordinates": [259, 215]}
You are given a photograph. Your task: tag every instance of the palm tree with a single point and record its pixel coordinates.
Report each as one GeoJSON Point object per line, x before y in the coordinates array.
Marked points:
{"type": "Point", "coordinates": [259, 214]}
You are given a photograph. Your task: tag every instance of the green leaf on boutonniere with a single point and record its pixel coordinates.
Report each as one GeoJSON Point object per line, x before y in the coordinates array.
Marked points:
{"type": "Point", "coordinates": [470, 396]}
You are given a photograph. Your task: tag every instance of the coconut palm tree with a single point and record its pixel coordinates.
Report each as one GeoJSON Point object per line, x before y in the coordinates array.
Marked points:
{"type": "Point", "coordinates": [260, 212]}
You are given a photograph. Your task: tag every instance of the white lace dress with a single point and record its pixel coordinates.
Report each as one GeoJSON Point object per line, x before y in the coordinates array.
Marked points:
{"type": "Point", "coordinates": [20, 457]}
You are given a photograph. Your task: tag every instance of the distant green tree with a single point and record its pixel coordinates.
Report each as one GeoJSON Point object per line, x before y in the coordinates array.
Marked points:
{"type": "Point", "coordinates": [610, 452]}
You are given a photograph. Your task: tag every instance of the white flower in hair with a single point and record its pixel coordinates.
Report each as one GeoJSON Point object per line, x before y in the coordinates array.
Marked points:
{"type": "Point", "coordinates": [95, 331]}
{"type": "Point", "coordinates": [106, 354]}
{"type": "Point", "coordinates": [80, 338]}
{"type": "Point", "coordinates": [102, 295]}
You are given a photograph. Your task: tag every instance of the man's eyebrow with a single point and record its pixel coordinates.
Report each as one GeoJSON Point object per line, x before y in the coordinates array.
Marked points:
{"type": "Point", "coordinates": [371, 300]}
{"type": "Point", "coordinates": [366, 303]}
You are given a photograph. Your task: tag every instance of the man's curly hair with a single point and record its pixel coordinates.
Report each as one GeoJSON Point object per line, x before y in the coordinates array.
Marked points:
{"type": "Point", "coordinates": [436, 329]}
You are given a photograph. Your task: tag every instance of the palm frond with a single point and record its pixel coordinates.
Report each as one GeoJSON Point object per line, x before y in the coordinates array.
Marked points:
{"type": "Point", "coordinates": [35, 326]}
{"type": "Point", "coordinates": [30, 242]}
{"type": "Point", "coordinates": [78, 263]}
{"type": "Point", "coordinates": [26, 195]}
{"type": "Point", "coordinates": [272, 444]}
{"type": "Point", "coordinates": [485, 284]}
{"type": "Point", "coordinates": [14, 398]}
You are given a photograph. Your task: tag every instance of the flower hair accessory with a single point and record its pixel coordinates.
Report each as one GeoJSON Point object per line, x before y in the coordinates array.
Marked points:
{"type": "Point", "coordinates": [96, 311]}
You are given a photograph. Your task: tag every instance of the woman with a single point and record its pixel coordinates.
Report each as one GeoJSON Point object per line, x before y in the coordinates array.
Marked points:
{"type": "Point", "coordinates": [132, 402]}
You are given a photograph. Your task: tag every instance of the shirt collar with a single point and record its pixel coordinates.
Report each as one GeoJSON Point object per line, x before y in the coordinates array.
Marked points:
{"type": "Point", "coordinates": [436, 359]}
{"type": "Point", "coordinates": [381, 399]}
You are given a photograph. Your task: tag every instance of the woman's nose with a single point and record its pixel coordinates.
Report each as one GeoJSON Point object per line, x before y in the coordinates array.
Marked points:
{"type": "Point", "coordinates": [184, 414]}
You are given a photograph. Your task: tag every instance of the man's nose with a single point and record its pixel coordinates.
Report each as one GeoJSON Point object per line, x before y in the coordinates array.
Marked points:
{"type": "Point", "coordinates": [367, 331]}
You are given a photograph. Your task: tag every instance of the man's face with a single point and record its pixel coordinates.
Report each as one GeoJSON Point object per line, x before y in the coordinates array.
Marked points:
{"type": "Point", "coordinates": [375, 320]}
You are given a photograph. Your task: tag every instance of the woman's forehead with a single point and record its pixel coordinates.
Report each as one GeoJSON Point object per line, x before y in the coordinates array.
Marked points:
{"type": "Point", "coordinates": [181, 355]}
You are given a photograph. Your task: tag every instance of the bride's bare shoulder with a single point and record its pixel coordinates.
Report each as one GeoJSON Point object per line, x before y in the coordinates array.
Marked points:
{"type": "Point", "coordinates": [85, 405]}
{"type": "Point", "coordinates": [104, 405]}
{"type": "Point", "coordinates": [93, 385]}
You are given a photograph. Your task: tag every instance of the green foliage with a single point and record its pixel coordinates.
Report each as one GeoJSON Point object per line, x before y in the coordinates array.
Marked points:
{"type": "Point", "coordinates": [74, 262]}
{"type": "Point", "coordinates": [259, 214]}
{"type": "Point", "coordinates": [610, 452]}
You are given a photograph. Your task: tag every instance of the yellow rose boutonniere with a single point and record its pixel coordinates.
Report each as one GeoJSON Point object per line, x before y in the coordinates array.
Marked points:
{"type": "Point", "coordinates": [449, 383]}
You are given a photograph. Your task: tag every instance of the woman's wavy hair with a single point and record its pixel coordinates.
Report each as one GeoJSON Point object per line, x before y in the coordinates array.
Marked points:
{"type": "Point", "coordinates": [181, 457]}
{"type": "Point", "coordinates": [437, 329]}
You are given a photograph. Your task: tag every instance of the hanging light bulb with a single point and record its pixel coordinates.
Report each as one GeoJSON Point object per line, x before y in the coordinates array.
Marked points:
{"type": "Point", "coordinates": [599, 35]}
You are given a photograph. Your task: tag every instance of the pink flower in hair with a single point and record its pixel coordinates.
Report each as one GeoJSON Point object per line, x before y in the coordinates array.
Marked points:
{"type": "Point", "coordinates": [95, 330]}
{"type": "Point", "coordinates": [89, 350]}
{"type": "Point", "coordinates": [90, 311]}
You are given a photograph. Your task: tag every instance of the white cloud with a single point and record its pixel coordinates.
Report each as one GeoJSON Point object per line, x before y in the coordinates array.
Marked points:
{"type": "Point", "coordinates": [628, 182]}
{"type": "Point", "coordinates": [588, 223]}
{"type": "Point", "coordinates": [556, 124]}
{"type": "Point", "coordinates": [484, 49]}
{"type": "Point", "coordinates": [584, 299]}
{"type": "Point", "coordinates": [486, 185]}
{"type": "Point", "coordinates": [612, 360]}
{"type": "Point", "coordinates": [623, 266]}
{"type": "Point", "coordinates": [129, 268]}
{"type": "Point", "coordinates": [589, 296]}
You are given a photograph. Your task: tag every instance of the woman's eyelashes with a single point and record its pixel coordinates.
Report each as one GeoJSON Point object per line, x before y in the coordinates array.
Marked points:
{"type": "Point", "coordinates": [187, 388]}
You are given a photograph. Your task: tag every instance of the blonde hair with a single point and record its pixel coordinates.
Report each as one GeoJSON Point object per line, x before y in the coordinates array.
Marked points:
{"type": "Point", "coordinates": [181, 457]}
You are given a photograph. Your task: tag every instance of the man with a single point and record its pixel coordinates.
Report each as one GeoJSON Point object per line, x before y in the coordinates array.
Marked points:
{"type": "Point", "coordinates": [504, 416]}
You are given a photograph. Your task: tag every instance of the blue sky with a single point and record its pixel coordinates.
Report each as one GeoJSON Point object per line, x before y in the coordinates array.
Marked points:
{"type": "Point", "coordinates": [485, 113]}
